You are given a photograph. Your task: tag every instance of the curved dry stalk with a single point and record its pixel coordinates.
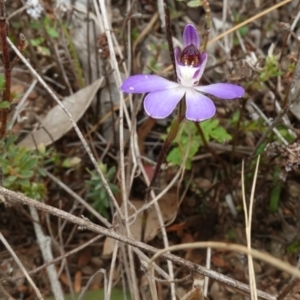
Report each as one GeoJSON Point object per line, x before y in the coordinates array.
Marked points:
{"type": "Point", "coordinates": [80, 297]}
{"type": "Point", "coordinates": [248, 223]}
{"type": "Point", "coordinates": [233, 247]}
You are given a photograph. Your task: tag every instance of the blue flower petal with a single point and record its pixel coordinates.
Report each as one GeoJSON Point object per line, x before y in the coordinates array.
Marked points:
{"type": "Point", "coordinates": [146, 83]}
{"type": "Point", "coordinates": [198, 106]}
{"type": "Point", "coordinates": [190, 36]}
{"type": "Point", "coordinates": [161, 104]}
{"type": "Point", "coordinates": [222, 90]}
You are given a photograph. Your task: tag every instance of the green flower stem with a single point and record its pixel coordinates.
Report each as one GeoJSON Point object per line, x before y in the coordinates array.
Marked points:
{"type": "Point", "coordinates": [161, 157]}
{"type": "Point", "coordinates": [182, 109]}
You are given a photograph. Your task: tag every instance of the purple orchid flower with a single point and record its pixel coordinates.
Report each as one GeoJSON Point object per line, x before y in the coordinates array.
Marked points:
{"type": "Point", "coordinates": [164, 95]}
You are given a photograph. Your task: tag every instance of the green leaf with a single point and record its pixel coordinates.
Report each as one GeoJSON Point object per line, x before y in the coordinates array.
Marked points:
{"type": "Point", "coordinates": [42, 172]}
{"type": "Point", "coordinates": [35, 24]}
{"type": "Point", "coordinates": [293, 248]}
{"type": "Point", "coordinates": [194, 3]}
{"type": "Point", "coordinates": [116, 294]}
{"type": "Point", "coordinates": [231, 235]}
{"type": "Point", "coordinates": [220, 135]}
{"type": "Point", "coordinates": [26, 173]}
{"type": "Point", "coordinates": [52, 32]}
{"type": "Point", "coordinates": [188, 140]}
{"type": "Point", "coordinates": [29, 164]}
{"type": "Point", "coordinates": [4, 104]}
{"type": "Point", "coordinates": [24, 182]}
{"type": "Point", "coordinates": [15, 25]}
{"type": "Point", "coordinates": [71, 162]}
{"type": "Point", "coordinates": [261, 148]}
{"type": "Point", "coordinates": [41, 148]}
{"type": "Point", "coordinates": [44, 51]}
{"type": "Point", "coordinates": [276, 191]}
{"type": "Point", "coordinates": [38, 41]}
{"type": "Point", "coordinates": [11, 178]}
{"type": "Point", "coordinates": [177, 154]}
{"type": "Point", "coordinates": [243, 30]}
{"type": "Point", "coordinates": [46, 21]}
{"type": "Point", "coordinates": [2, 82]}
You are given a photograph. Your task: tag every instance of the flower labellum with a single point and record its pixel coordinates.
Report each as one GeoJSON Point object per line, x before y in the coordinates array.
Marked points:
{"type": "Point", "coordinates": [164, 95]}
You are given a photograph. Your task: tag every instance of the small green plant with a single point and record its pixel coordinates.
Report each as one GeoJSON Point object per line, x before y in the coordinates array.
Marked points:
{"type": "Point", "coordinates": [22, 169]}
{"type": "Point", "coordinates": [193, 3]}
{"type": "Point", "coordinates": [39, 41]}
{"type": "Point", "coordinates": [293, 248]}
{"type": "Point", "coordinates": [3, 104]}
{"type": "Point", "coordinates": [248, 127]}
{"type": "Point", "coordinates": [276, 190]}
{"type": "Point", "coordinates": [2, 81]}
{"type": "Point", "coordinates": [231, 235]}
{"type": "Point", "coordinates": [271, 67]}
{"type": "Point", "coordinates": [188, 140]}
{"type": "Point", "coordinates": [97, 193]}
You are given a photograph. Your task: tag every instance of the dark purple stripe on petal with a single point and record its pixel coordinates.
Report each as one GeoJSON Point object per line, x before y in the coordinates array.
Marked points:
{"type": "Point", "coordinates": [222, 90]}
{"type": "Point", "coordinates": [190, 36]}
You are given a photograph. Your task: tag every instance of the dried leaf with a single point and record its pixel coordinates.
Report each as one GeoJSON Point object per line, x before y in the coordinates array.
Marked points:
{"type": "Point", "coordinates": [57, 123]}
{"type": "Point", "coordinates": [168, 207]}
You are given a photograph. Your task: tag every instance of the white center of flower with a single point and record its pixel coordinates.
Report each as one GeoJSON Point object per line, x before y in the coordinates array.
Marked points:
{"type": "Point", "coordinates": [186, 75]}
